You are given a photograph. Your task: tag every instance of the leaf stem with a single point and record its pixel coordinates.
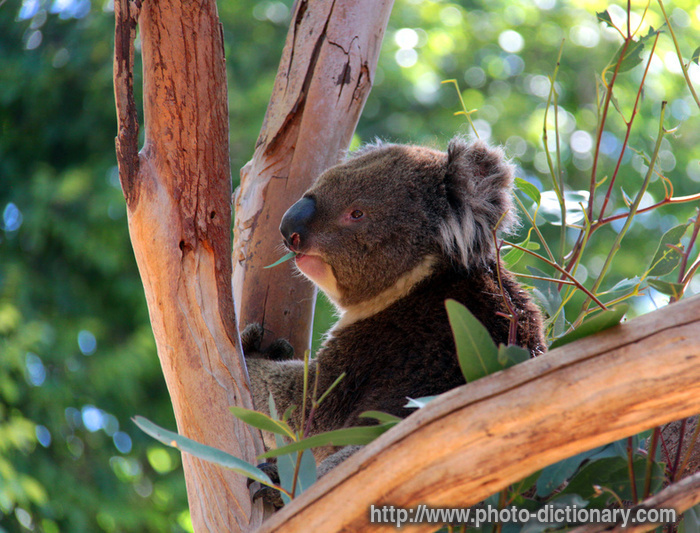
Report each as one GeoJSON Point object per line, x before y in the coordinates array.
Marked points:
{"type": "Point", "coordinates": [650, 462]}
{"type": "Point", "coordinates": [630, 469]}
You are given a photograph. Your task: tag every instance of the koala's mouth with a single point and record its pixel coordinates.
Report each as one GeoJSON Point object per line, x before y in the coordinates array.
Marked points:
{"type": "Point", "coordinates": [311, 264]}
{"type": "Point", "coordinates": [317, 270]}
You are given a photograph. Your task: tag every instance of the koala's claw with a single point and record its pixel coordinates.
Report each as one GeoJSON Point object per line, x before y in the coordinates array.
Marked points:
{"type": "Point", "coordinates": [268, 494]}
{"type": "Point", "coordinates": [251, 340]}
{"type": "Point", "coordinates": [279, 350]}
{"type": "Point", "coordinates": [251, 337]}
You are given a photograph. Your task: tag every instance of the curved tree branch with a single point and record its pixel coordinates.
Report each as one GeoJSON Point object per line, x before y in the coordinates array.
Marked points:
{"type": "Point", "coordinates": [479, 438]}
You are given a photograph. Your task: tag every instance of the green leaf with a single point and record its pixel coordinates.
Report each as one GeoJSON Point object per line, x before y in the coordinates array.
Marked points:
{"type": "Point", "coordinates": [546, 291]}
{"type": "Point", "coordinates": [208, 453]}
{"type": "Point", "coordinates": [285, 257]}
{"type": "Point", "coordinates": [511, 355]}
{"type": "Point", "coordinates": [476, 351]}
{"type": "Point", "coordinates": [262, 421]}
{"type": "Point", "coordinates": [666, 259]}
{"type": "Point", "coordinates": [555, 475]}
{"type": "Point", "coordinates": [286, 464]}
{"type": "Point", "coordinates": [667, 287]}
{"type": "Point", "coordinates": [695, 58]}
{"type": "Point", "coordinates": [691, 521]}
{"type": "Point", "coordinates": [339, 437]}
{"type": "Point", "coordinates": [525, 483]}
{"type": "Point", "coordinates": [625, 285]}
{"type": "Point", "coordinates": [595, 324]}
{"type": "Point", "coordinates": [384, 418]}
{"type": "Point", "coordinates": [573, 202]}
{"type": "Point", "coordinates": [515, 255]}
{"type": "Point", "coordinates": [612, 473]}
{"type": "Point", "coordinates": [632, 57]}
{"type": "Point", "coordinates": [605, 17]}
{"type": "Point", "coordinates": [529, 189]}
{"type": "Point", "coordinates": [419, 403]}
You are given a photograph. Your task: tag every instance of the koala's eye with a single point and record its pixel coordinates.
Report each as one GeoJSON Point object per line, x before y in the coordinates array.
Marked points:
{"type": "Point", "coordinates": [357, 214]}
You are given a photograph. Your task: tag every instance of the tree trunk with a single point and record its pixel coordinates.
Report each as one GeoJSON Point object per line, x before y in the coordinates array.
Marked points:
{"type": "Point", "coordinates": [324, 78]}
{"type": "Point", "coordinates": [477, 439]}
{"type": "Point", "coordinates": [178, 191]}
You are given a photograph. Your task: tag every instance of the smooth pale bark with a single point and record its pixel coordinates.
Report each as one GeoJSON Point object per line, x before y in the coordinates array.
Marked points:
{"type": "Point", "coordinates": [477, 439]}
{"type": "Point", "coordinates": [178, 191]}
{"type": "Point", "coordinates": [325, 75]}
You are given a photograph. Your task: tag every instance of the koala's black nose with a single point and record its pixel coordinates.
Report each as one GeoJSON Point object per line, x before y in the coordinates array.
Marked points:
{"type": "Point", "coordinates": [295, 223]}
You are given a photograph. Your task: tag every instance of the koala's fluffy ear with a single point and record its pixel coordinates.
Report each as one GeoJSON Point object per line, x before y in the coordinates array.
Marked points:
{"type": "Point", "coordinates": [478, 185]}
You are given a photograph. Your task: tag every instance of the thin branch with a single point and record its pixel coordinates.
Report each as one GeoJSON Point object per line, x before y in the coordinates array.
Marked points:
{"type": "Point", "coordinates": [679, 54]}
{"type": "Point", "coordinates": [534, 226]}
{"type": "Point", "coordinates": [629, 128]}
{"type": "Point", "coordinates": [665, 201]}
{"type": "Point", "coordinates": [633, 211]}
{"type": "Point", "coordinates": [564, 272]}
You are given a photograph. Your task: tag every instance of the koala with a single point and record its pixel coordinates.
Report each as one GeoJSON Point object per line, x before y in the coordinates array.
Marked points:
{"type": "Point", "coordinates": [388, 236]}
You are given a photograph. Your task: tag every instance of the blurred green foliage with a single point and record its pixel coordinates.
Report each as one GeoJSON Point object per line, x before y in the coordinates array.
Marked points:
{"type": "Point", "coordinates": [77, 358]}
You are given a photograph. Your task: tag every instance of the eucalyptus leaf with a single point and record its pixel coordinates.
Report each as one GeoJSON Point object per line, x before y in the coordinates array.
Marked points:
{"type": "Point", "coordinates": [555, 475]}
{"type": "Point", "coordinates": [286, 464]}
{"type": "Point", "coordinates": [605, 17]}
{"type": "Point", "coordinates": [666, 258]}
{"type": "Point", "coordinates": [515, 255]}
{"type": "Point", "coordinates": [625, 285]}
{"type": "Point", "coordinates": [339, 437]}
{"type": "Point", "coordinates": [632, 53]}
{"type": "Point", "coordinates": [511, 355]}
{"type": "Point", "coordinates": [384, 418]}
{"type": "Point", "coordinates": [691, 521]}
{"type": "Point", "coordinates": [419, 403]}
{"type": "Point", "coordinates": [529, 189]}
{"type": "Point", "coordinates": [208, 453]}
{"type": "Point", "coordinates": [695, 58]}
{"type": "Point", "coordinates": [262, 421]}
{"type": "Point", "coordinates": [476, 351]}
{"type": "Point", "coordinates": [550, 209]}
{"type": "Point", "coordinates": [285, 257]}
{"type": "Point", "coordinates": [613, 473]}
{"type": "Point", "coordinates": [285, 470]}
{"type": "Point", "coordinates": [667, 287]}
{"type": "Point", "coordinates": [546, 291]}
{"type": "Point", "coordinates": [595, 324]}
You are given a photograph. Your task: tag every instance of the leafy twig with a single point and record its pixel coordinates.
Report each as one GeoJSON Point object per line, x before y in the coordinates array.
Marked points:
{"type": "Point", "coordinates": [633, 210]}
{"type": "Point", "coordinates": [554, 265]}
{"type": "Point", "coordinates": [629, 130]}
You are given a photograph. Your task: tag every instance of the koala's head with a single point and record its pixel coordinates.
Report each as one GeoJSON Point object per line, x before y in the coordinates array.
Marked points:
{"type": "Point", "coordinates": [368, 222]}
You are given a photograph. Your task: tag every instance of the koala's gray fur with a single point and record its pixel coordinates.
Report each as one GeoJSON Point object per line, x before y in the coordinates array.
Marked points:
{"type": "Point", "coordinates": [389, 235]}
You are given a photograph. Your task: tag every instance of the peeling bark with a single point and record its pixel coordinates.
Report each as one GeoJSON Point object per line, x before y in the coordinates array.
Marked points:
{"type": "Point", "coordinates": [332, 46]}
{"type": "Point", "coordinates": [178, 191]}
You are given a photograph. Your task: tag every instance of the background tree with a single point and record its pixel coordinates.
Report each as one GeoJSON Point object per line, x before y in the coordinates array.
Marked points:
{"type": "Point", "coordinates": [75, 365]}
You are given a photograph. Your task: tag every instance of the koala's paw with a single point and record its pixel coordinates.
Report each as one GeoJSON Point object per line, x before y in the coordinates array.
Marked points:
{"type": "Point", "coordinates": [269, 495]}
{"type": "Point", "coordinates": [251, 339]}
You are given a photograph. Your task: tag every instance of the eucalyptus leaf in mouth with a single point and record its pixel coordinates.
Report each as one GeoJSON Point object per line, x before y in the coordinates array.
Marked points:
{"type": "Point", "coordinates": [285, 257]}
